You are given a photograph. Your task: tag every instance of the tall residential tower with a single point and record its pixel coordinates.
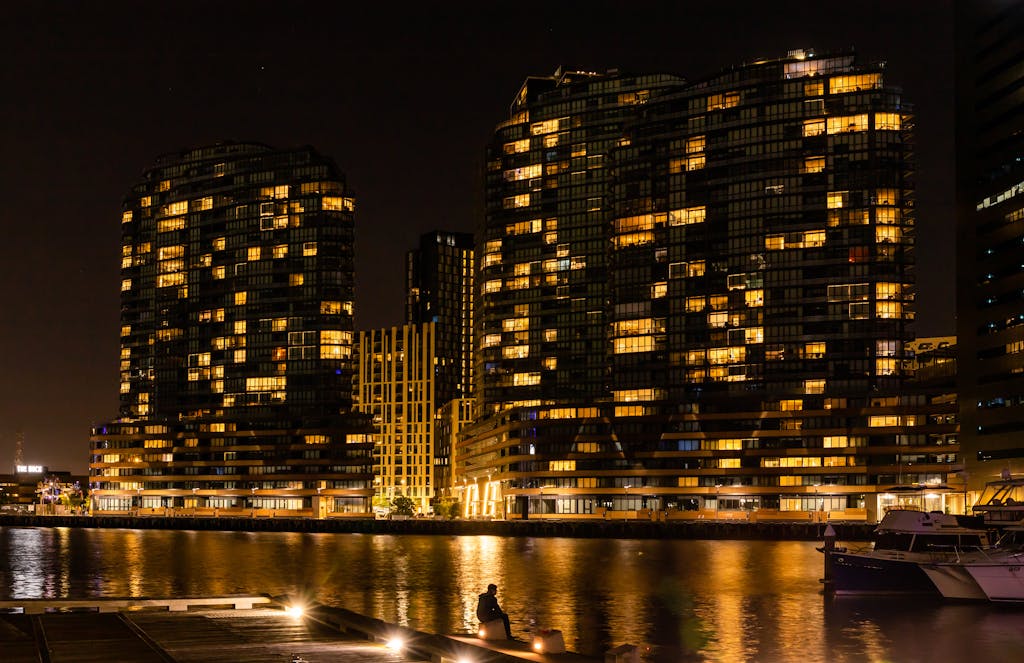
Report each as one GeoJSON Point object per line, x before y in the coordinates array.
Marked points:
{"type": "Point", "coordinates": [236, 339]}
{"type": "Point", "coordinates": [697, 294]}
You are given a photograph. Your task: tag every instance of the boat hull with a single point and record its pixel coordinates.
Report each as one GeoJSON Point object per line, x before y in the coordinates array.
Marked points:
{"type": "Point", "coordinates": [1000, 581]}
{"type": "Point", "coordinates": [860, 573]}
{"type": "Point", "coordinates": [954, 582]}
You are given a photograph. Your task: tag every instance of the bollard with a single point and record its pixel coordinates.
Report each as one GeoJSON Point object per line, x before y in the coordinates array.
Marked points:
{"type": "Point", "coordinates": [827, 550]}
{"type": "Point", "coordinates": [549, 641]}
{"type": "Point", "coordinates": [623, 654]}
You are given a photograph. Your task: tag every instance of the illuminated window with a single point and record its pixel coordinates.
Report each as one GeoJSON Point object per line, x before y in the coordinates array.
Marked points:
{"type": "Point", "coordinates": [814, 238]}
{"type": "Point", "coordinates": [814, 164]}
{"type": "Point", "coordinates": [837, 199]}
{"type": "Point", "coordinates": [633, 327]}
{"type": "Point", "coordinates": [727, 355]}
{"type": "Point", "coordinates": [888, 309]}
{"type": "Point", "coordinates": [694, 268]}
{"type": "Point", "coordinates": [165, 280]}
{"type": "Point", "coordinates": [695, 162]}
{"type": "Point", "coordinates": [521, 200]}
{"type": "Point", "coordinates": [517, 146]}
{"type": "Point", "coordinates": [814, 89]}
{"type": "Point", "coordinates": [632, 239]}
{"type": "Point", "coordinates": [814, 350]}
{"type": "Point", "coordinates": [696, 304]}
{"type": "Point", "coordinates": [546, 127]}
{"type": "Point", "coordinates": [525, 173]}
{"type": "Point", "coordinates": [515, 324]}
{"type": "Point", "coordinates": [687, 215]}
{"type": "Point", "coordinates": [309, 249]}
{"type": "Point", "coordinates": [493, 285]}
{"type": "Point", "coordinates": [170, 224]}
{"type": "Point", "coordinates": [629, 344]}
{"type": "Point", "coordinates": [549, 363]}
{"type": "Point", "coordinates": [814, 386]}
{"type": "Point", "coordinates": [126, 216]}
{"type": "Point", "coordinates": [885, 197]}
{"type": "Point", "coordinates": [886, 348]}
{"type": "Point", "coordinates": [280, 251]}
{"type": "Point", "coordinates": [887, 121]}
{"type": "Point", "coordinates": [791, 405]}
{"type": "Point", "coordinates": [219, 244]}
{"type": "Point", "coordinates": [854, 83]}
{"type": "Point", "coordinates": [729, 463]}
{"type": "Point", "coordinates": [753, 335]}
{"type": "Point", "coordinates": [884, 421]}
{"type": "Point", "coordinates": [814, 127]}
{"type": "Point", "coordinates": [338, 204]}
{"type": "Point", "coordinates": [241, 297]}
{"type": "Point", "coordinates": [253, 253]}
{"type": "Point", "coordinates": [202, 204]}
{"type": "Point", "coordinates": [721, 101]}
{"type": "Point", "coordinates": [490, 340]}
{"type": "Point", "coordinates": [266, 383]}
{"type": "Point", "coordinates": [126, 285]}
{"type": "Point", "coordinates": [695, 144]}
{"type": "Point", "coordinates": [525, 379]}
{"type": "Point", "coordinates": [848, 123]}
{"type": "Point", "coordinates": [774, 242]}
{"type": "Point", "coordinates": [296, 279]}
{"type": "Point", "coordinates": [885, 367]}
{"type": "Point", "coordinates": [887, 215]}
{"type": "Point", "coordinates": [888, 234]}
{"type": "Point", "coordinates": [695, 357]}
{"type": "Point", "coordinates": [515, 351]}
{"type": "Point", "coordinates": [888, 290]}
{"type": "Point", "coordinates": [754, 297]}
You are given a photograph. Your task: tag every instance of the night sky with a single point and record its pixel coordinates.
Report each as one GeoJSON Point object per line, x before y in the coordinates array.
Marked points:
{"type": "Point", "coordinates": [404, 101]}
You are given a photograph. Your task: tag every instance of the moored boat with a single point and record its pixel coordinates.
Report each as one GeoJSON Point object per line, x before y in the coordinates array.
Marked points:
{"type": "Point", "coordinates": [995, 574]}
{"type": "Point", "coordinates": [904, 541]}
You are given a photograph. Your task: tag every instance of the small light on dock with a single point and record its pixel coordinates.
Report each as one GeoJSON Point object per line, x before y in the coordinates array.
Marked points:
{"type": "Point", "coordinates": [396, 644]}
{"type": "Point", "coordinates": [295, 611]}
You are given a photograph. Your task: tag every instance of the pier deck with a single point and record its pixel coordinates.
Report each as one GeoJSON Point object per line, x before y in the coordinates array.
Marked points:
{"type": "Point", "coordinates": [162, 631]}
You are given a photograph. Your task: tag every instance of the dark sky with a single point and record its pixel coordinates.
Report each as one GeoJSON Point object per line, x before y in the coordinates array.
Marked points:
{"type": "Point", "coordinates": [404, 100]}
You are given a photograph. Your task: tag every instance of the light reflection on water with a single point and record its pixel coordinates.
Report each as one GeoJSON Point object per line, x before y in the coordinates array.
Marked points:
{"type": "Point", "coordinates": [687, 600]}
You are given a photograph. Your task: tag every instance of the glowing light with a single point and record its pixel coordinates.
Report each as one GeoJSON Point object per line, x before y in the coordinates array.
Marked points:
{"type": "Point", "coordinates": [538, 645]}
{"type": "Point", "coordinates": [482, 634]}
{"type": "Point", "coordinates": [295, 611]}
{"type": "Point", "coordinates": [396, 644]}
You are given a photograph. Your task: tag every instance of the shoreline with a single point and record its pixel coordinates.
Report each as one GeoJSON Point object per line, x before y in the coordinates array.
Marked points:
{"type": "Point", "coordinates": [617, 529]}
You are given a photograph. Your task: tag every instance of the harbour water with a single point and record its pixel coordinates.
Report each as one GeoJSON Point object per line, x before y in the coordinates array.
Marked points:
{"type": "Point", "coordinates": [685, 600]}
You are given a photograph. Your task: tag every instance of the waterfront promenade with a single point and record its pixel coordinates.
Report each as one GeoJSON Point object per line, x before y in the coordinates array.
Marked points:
{"type": "Point", "coordinates": [619, 529]}
{"type": "Point", "coordinates": [189, 631]}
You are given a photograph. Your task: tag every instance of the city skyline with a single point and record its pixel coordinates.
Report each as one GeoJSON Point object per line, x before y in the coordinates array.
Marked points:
{"type": "Point", "coordinates": [391, 102]}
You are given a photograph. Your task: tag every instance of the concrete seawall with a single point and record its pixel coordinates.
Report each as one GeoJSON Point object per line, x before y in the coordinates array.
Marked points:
{"type": "Point", "coordinates": [619, 529]}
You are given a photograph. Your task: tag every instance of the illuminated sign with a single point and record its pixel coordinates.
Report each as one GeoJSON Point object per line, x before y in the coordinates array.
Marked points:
{"type": "Point", "coordinates": [29, 469]}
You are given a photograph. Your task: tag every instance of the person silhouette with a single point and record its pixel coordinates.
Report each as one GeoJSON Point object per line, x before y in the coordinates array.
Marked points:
{"type": "Point", "coordinates": [487, 609]}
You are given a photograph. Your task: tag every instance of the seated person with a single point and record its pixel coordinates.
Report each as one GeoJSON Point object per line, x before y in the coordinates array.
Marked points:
{"type": "Point", "coordinates": [487, 609]}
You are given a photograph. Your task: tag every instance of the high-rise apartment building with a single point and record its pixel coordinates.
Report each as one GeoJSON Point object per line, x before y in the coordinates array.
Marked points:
{"type": "Point", "coordinates": [236, 340]}
{"type": "Point", "coordinates": [697, 294]}
{"type": "Point", "coordinates": [396, 386]}
{"type": "Point", "coordinates": [440, 289]}
{"type": "Point", "coordinates": [990, 237]}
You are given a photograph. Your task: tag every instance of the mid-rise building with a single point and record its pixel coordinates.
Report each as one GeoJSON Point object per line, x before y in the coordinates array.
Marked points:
{"type": "Point", "coordinates": [237, 285]}
{"type": "Point", "coordinates": [990, 237]}
{"type": "Point", "coordinates": [396, 387]}
{"type": "Point", "coordinates": [696, 295]}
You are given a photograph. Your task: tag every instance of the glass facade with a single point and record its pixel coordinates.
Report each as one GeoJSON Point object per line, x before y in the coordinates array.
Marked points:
{"type": "Point", "coordinates": [990, 238]}
{"type": "Point", "coordinates": [696, 295]}
{"type": "Point", "coordinates": [236, 363]}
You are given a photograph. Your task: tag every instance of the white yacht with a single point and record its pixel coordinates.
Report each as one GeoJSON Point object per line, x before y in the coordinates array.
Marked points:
{"type": "Point", "coordinates": [1001, 502]}
{"type": "Point", "coordinates": [997, 573]}
{"type": "Point", "coordinates": [905, 540]}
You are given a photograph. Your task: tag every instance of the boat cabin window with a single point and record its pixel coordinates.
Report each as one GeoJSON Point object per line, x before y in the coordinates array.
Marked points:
{"type": "Point", "coordinates": [893, 541]}
{"type": "Point", "coordinates": [945, 542]}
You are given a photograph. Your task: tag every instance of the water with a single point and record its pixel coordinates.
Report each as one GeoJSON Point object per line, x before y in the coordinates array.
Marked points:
{"type": "Point", "coordinates": [686, 600]}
